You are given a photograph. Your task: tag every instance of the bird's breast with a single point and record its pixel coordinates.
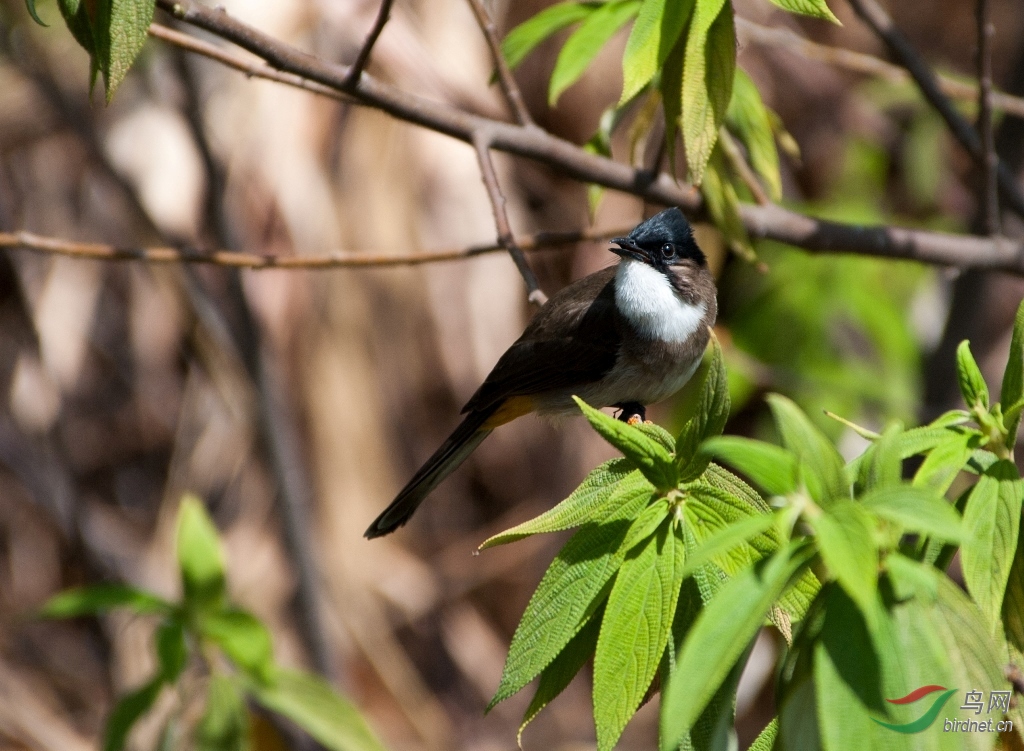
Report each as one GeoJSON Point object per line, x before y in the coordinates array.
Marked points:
{"type": "Point", "coordinates": [650, 306]}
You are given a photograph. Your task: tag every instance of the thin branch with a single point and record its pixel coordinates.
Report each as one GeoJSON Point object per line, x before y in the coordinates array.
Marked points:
{"type": "Point", "coordinates": [875, 16]}
{"type": "Point", "coordinates": [356, 71]}
{"type": "Point", "coordinates": [768, 222]}
{"type": "Point", "coordinates": [250, 68]}
{"type": "Point", "coordinates": [482, 144]}
{"type": "Point", "coordinates": [236, 259]}
{"type": "Point", "coordinates": [990, 161]}
{"type": "Point", "coordinates": [506, 80]}
{"type": "Point", "coordinates": [868, 65]}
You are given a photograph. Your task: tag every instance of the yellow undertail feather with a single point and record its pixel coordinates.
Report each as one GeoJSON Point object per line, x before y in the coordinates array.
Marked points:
{"type": "Point", "coordinates": [514, 407]}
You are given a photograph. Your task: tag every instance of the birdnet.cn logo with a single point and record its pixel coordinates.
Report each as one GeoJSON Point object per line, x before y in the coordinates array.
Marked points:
{"type": "Point", "coordinates": [998, 701]}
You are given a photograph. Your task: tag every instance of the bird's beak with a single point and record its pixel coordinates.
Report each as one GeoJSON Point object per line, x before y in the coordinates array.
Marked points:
{"type": "Point", "coordinates": [628, 249]}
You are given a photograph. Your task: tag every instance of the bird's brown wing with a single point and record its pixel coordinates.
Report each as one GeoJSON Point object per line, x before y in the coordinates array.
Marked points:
{"type": "Point", "coordinates": [573, 339]}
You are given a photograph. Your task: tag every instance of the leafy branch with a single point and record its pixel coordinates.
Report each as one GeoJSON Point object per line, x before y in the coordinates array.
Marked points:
{"type": "Point", "coordinates": [208, 645]}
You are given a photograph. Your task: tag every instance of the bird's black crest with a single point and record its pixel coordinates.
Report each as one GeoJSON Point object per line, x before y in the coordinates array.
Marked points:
{"type": "Point", "coordinates": [668, 226]}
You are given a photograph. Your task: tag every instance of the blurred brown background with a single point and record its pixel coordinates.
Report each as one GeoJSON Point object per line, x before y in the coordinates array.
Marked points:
{"type": "Point", "coordinates": [297, 403]}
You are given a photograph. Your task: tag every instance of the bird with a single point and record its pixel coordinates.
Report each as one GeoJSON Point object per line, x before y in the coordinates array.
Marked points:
{"type": "Point", "coordinates": [626, 336]}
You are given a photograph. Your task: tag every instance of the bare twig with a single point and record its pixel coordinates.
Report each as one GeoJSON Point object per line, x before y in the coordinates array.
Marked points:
{"type": "Point", "coordinates": [482, 144]}
{"type": "Point", "coordinates": [356, 71]}
{"type": "Point", "coordinates": [770, 221]}
{"type": "Point", "coordinates": [739, 163]}
{"type": "Point", "coordinates": [237, 259]}
{"type": "Point", "coordinates": [880, 22]}
{"type": "Point", "coordinates": [990, 161]}
{"type": "Point", "coordinates": [506, 80]}
{"type": "Point", "coordinates": [868, 65]}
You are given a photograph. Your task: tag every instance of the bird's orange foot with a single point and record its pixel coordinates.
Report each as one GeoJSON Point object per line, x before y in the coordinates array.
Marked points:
{"type": "Point", "coordinates": [635, 420]}
{"type": "Point", "coordinates": [633, 413]}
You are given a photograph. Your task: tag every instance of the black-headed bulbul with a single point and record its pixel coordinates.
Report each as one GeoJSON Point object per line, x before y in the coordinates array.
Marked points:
{"type": "Point", "coordinates": [626, 336]}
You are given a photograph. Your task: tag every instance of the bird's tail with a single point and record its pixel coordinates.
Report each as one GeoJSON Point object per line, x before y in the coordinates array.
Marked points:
{"type": "Point", "coordinates": [450, 455]}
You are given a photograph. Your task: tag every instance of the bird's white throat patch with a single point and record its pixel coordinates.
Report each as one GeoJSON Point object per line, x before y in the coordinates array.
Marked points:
{"type": "Point", "coordinates": [646, 298]}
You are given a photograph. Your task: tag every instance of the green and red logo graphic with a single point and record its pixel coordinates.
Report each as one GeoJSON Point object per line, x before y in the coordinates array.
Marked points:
{"type": "Point", "coordinates": [924, 721]}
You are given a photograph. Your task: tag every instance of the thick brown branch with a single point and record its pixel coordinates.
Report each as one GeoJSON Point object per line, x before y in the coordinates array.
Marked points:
{"type": "Point", "coordinates": [771, 222]}
{"type": "Point", "coordinates": [356, 71]}
{"type": "Point", "coordinates": [235, 259]}
{"type": "Point", "coordinates": [506, 80]}
{"type": "Point", "coordinates": [990, 161]}
{"type": "Point", "coordinates": [875, 16]}
{"type": "Point", "coordinates": [482, 144]}
{"type": "Point", "coordinates": [868, 65]}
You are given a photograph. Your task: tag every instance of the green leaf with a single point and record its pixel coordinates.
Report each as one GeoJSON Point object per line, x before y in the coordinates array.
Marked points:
{"type": "Point", "coordinates": [915, 509]}
{"type": "Point", "coordinates": [573, 587]}
{"type": "Point", "coordinates": [671, 87]}
{"type": "Point", "coordinates": [826, 480]}
{"type": "Point", "coordinates": [1013, 378]}
{"type": "Point", "coordinates": [658, 27]}
{"type": "Point", "coordinates": [100, 598]}
{"type": "Point", "coordinates": [244, 639]}
{"type": "Point", "coordinates": [635, 630]}
{"type": "Point", "coordinates": [199, 555]}
{"type": "Point", "coordinates": [945, 461]}
{"type": "Point", "coordinates": [171, 649]}
{"type": "Point", "coordinates": [120, 33]}
{"type": "Point", "coordinates": [847, 672]}
{"type": "Point", "coordinates": [582, 47]}
{"type": "Point", "coordinates": [225, 722]}
{"type": "Point", "coordinates": [127, 711]}
{"type": "Point", "coordinates": [1013, 599]}
{"type": "Point", "coordinates": [813, 8]}
{"type": "Point", "coordinates": [522, 40]}
{"type": "Point", "coordinates": [707, 81]}
{"type": "Point", "coordinates": [912, 578]}
{"type": "Point", "coordinates": [658, 433]}
{"type": "Point", "coordinates": [649, 456]}
{"type": "Point", "coordinates": [709, 510]}
{"type": "Point", "coordinates": [714, 730]}
{"type": "Point", "coordinates": [972, 383]}
{"type": "Point", "coordinates": [846, 543]}
{"type": "Point", "coordinates": [559, 674]}
{"type": "Point", "coordinates": [723, 479]}
{"type": "Point", "coordinates": [76, 16]}
{"type": "Point", "coordinates": [991, 528]}
{"type": "Point", "coordinates": [881, 465]}
{"type": "Point", "coordinates": [589, 500]}
{"type": "Point", "coordinates": [723, 203]}
{"type": "Point", "coordinates": [645, 525]}
{"type": "Point", "coordinates": [709, 420]}
{"type": "Point", "coordinates": [719, 636]}
{"type": "Point", "coordinates": [768, 466]}
{"type": "Point", "coordinates": [748, 118]}
{"type": "Point", "coordinates": [314, 706]}
{"type": "Point", "coordinates": [725, 540]}
{"type": "Point", "coordinates": [31, 6]}
{"type": "Point", "coordinates": [765, 740]}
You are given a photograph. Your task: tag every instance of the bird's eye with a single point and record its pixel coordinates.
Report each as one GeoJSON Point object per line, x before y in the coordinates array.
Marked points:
{"type": "Point", "coordinates": [668, 250]}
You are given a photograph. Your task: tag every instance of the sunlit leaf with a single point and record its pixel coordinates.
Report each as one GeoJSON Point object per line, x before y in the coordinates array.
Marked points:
{"type": "Point", "coordinates": [199, 554]}
{"type": "Point", "coordinates": [314, 706]}
{"type": "Point", "coordinates": [582, 47]}
{"type": "Point", "coordinates": [723, 204]}
{"type": "Point", "coordinates": [101, 598]}
{"type": "Point", "coordinates": [826, 479]}
{"type": "Point", "coordinates": [649, 456]}
{"type": "Point", "coordinates": [120, 33]}
{"type": "Point", "coordinates": [748, 118]}
{"type": "Point", "coordinates": [915, 509]}
{"type": "Point", "coordinates": [573, 587]}
{"type": "Point", "coordinates": [657, 28]}
{"type": "Point", "coordinates": [846, 543]}
{"type": "Point", "coordinates": [991, 527]}
{"type": "Point", "coordinates": [708, 421]}
{"type": "Point", "coordinates": [1013, 378]}
{"type": "Point", "coordinates": [813, 8]}
{"type": "Point", "coordinates": [244, 639]}
{"type": "Point", "coordinates": [225, 724]}
{"type": "Point", "coordinates": [719, 637]}
{"type": "Point", "coordinates": [635, 630]}
{"type": "Point", "coordinates": [708, 71]}
{"type": "Point", "coordinates": [770, 467]}
{"type": "Point", "coordinates": [587, 501]}
{"type": "Point", "coordinates": [972, 384]}
{"type": "Point", "coordinates": [522, 40]}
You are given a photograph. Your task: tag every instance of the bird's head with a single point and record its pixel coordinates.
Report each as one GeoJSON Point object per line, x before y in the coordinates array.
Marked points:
{"type": "Point", "coordinates": [663, 241]}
